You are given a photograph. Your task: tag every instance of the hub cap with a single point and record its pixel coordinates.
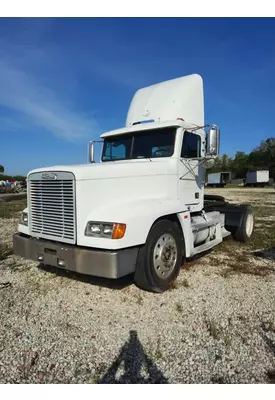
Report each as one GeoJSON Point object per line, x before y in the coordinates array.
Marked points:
{"type": "Point", "coordinates": [165, 255]}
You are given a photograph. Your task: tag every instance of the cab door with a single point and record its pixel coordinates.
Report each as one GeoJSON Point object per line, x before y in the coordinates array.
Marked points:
{"type": "Point", "coordinates": [191, 170]}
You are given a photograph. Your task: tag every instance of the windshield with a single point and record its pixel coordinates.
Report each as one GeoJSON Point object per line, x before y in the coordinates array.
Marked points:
{"type": "Point", "coordinates": [142, 144]}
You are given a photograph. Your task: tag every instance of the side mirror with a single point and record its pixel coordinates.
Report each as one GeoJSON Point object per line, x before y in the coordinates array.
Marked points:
{"type": "Point", "coordinates": [91, 152]}
{"type": "Point", "coordinates": [213, 142]}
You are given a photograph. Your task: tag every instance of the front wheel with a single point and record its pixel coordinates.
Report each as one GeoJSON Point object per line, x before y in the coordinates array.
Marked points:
{"type": "Point", "coordinates": [160, 259]}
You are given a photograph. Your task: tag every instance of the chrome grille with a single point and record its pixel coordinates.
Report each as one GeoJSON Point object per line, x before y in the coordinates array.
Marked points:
{"type": "Point", "coordinates": [52, 209]}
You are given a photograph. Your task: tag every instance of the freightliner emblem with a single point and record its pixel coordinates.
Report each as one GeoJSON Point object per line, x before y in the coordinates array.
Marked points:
{"type": "Point", "coordinates": [49, 176]}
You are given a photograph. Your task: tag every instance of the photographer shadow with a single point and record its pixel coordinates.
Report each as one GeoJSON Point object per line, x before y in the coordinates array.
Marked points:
{"type": "Point", "coordinates": [133, 365]}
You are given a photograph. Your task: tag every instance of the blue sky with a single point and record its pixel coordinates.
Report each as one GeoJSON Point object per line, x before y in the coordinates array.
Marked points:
{"type": "Point", "coordinates": [65, 81]}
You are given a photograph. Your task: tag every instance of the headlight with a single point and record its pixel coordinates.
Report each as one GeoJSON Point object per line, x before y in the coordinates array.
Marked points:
{"type": "Point", "coordinates": [109, 230]}
{"type": "Point", "coordinates": [24, 219]}
{"type": "Point", "coordinates": [94, 229]}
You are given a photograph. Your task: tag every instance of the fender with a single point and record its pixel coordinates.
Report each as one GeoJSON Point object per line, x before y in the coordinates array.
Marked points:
{"type": "Point", "coordinates": [138, 215]}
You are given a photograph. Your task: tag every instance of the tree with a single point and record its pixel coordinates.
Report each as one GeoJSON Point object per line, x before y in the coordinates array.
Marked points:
{"type": "Point", "coordinates": [240, 164]}
{"type": "Point", "coordinates": [263, 157]}
{"type": "Point", "coordinates": [19, 178]}
{"type": "Point", "coordinates": [221, 164]}
{"type": "Point", "coordinates": [226, 163]}
{"type": "Point", "coordinates": [2, 169]}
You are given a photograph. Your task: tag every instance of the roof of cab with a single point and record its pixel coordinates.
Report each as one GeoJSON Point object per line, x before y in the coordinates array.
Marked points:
{"type": "Point", "coordinates": [147, 126]}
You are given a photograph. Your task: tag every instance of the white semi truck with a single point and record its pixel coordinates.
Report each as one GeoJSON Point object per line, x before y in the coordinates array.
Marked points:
{"type": "Point", "coordinates": [142, 209]}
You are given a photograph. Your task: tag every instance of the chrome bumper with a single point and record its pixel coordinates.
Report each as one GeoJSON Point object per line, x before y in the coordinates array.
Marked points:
{"type": "Point", "coordinates": [104, 263]}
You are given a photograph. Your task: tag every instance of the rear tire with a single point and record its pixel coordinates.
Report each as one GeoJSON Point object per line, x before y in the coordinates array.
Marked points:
{"type": "Point", "coordinates": [160, 259]}
{"type": "Point", "coordinates": [245, 231]}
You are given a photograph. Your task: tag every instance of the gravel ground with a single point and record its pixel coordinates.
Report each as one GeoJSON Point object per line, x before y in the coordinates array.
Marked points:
{"type": "Point", "coordinates": [216, 325]}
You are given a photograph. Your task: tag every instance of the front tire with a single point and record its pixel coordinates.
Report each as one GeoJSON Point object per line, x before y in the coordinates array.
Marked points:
{"type": "Point", "coordinates": [160, 259]}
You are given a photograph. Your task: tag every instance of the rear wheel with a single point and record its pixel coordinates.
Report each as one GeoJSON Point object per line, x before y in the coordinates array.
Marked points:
{"type": "Point", "coordinates": [245, 231]}
{"type": "Point", "coordinates": [160, 259]}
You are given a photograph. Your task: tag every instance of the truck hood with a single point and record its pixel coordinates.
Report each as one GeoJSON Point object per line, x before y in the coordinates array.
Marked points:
{"type": "Point", "coordinates": [117, 169]}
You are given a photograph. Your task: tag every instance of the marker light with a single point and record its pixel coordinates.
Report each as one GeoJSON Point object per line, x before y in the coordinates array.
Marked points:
{"type": "Point", "coordinates": [109, 230]}
{"type": "Point", "coordinates": [118, 231]}
{"type": "Point", "coordinates": [146, 121]}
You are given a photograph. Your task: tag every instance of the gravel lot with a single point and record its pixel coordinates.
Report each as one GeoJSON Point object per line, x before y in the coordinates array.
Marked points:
{"type": "Point", "coordinates": [216, 325]}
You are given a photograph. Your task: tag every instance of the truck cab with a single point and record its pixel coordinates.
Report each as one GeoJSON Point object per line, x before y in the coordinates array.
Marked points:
{"type": "Point", "coordinates": [142, 208]}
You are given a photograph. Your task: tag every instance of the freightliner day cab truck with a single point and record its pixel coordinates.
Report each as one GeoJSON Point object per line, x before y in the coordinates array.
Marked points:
{"type": "Point", "coordinates": [142, 209]}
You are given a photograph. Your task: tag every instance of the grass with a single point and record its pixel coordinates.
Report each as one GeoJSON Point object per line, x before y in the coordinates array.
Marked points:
{"type": "Point", "coordinates": [235, 267]}
{"type": "Point", "coordinates": [174, 285]}
{"type": "Point", "coordinates": [158, 352]}
{"type": "Point", "coordinates": [234, 185]}
{"type": "Point", "coordinates": [218, 379]}
{"type": "Point", "coordinates": [155, 354]}
{"type": "Point", "coordinates": [248, 268]}
{"type": "Point", "coordinates": [139, 299]}
{"type": "Point", "coordinates": [179, 307]}
{"type": "Point", "coordinates": [10, 209]}
{"type": "Point", "coordinates": [213, 329]}
{"type": "Point", "coordinates": [29, 360]}
{"type": "Point", "coordinates": [238, 258]}
{"type": "Point", "coordinates": [100, 369]}
{"type": "Point", "coordinates": [193, 262]}
{"type": "Point", "coordinates": [252, 269]}
{"type": "Point", "coordinates": [185, 283]}
{"type": "Point", "coordinates": [95, 379]}
{"type": "Point", "coordinates": [269, 326]}
{"type": "Point", "coordinates": [260, 211]}
{"type": "Point", "coordinates": [227, 340]}
{"type": "Point", "coordinates": [263, 239]}
{"type": "Point", "coordinates": [236, 261]}
{"type": "Point", "coordinates": [228, 247]}
{"type": "Point", "coordinates": [5, 251]}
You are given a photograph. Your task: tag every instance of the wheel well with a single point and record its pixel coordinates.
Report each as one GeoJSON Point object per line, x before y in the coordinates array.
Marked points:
{"type": "Point", "coordinates": [173, 218]}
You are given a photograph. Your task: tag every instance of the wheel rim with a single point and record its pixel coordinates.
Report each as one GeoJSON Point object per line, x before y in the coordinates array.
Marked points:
{"type": "Point", "coordinates": [249, 225]}
{"type": "Point", "coordinates": [165, 255]}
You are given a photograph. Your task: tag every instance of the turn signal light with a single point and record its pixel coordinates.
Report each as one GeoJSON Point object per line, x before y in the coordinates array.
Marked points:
{"type": "Point", "coordinates": [118, 231]}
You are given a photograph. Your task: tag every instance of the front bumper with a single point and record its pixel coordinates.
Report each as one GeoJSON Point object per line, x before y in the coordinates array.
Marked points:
{"type": "Point", "coordinates": [104, 263]}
